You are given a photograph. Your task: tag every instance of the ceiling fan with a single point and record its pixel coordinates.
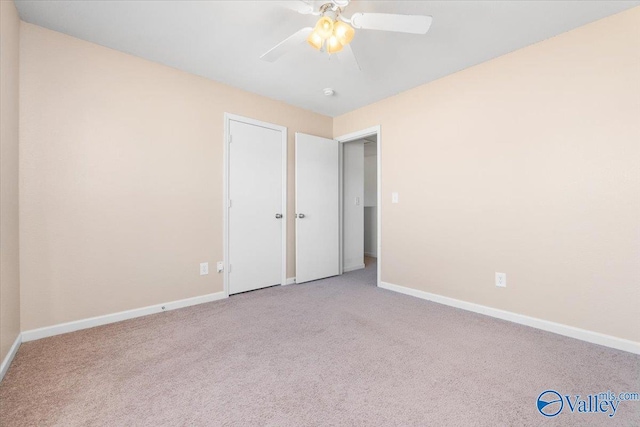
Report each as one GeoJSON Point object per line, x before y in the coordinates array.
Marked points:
{"type": "Point", "coordinates": [333, 32]}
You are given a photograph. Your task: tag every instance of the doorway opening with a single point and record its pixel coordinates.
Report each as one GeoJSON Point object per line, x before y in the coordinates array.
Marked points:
{"type": "Point", "coordinates": [360, 201]}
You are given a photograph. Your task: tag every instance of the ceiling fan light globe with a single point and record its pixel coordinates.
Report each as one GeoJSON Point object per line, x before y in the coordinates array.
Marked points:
{"type": "Point", "coordinates": [333, 45]}
{"type": "Point", "coordinates": [315, 40]}
{"type": "Point", "coordinates": [324, 27]}
{"type": "Point", "coordinates": [344, 32]}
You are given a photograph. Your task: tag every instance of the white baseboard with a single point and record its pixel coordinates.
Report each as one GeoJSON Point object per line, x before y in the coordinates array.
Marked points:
{"type": "Point", "coordinates": [9, 357]}
{"type": "Point", "coordinates": [545, 325]}
{"type": "Point", "coordinates": [352, 268]}
{"type": "Point", "coordinates": [63, 328]}
{"type": "Point", "coordinates": [371, 254]}
{"type": "Point", "coordinates": [290, 281]}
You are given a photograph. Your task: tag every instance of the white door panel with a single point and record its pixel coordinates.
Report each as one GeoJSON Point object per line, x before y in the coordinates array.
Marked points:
{"type": "Point", "coordinates": [255, 192]}
{"type": "Point", "coordinates": [317, 206]}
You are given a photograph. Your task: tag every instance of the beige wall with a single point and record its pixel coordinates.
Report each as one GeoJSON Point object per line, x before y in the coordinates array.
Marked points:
{"type": "Point", "coordinates": [121, 178]}
{"type": "Point", "coordinates": [527, 164]}
{"type": "Point", "coordinates": [9, 248]}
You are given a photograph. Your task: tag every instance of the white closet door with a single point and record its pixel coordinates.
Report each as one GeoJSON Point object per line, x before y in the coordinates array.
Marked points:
{"type": "Point", "coordinates": [255, 194]}
{"type": "Point", "coordinates": [317, 208]}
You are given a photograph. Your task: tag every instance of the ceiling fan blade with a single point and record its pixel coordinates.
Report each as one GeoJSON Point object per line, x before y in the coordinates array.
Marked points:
{"type": "Point", "coordinates": [286, 45]}
{"type": "Point", "coordinates": [414, 24]}
{"type": "Point", "coordinates": [347, 57]}
{"type": "Point", "coordinates": [300, 6]}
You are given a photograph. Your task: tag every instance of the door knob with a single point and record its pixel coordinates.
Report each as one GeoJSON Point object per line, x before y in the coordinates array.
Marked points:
{"type": "Point", "coordinates": [278, 216]}
{"type": "Point", "coordinates": [300, 215]}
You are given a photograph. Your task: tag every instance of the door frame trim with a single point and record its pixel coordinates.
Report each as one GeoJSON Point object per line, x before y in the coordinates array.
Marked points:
{"type": "Point", "coordinates": [373, 130]}
{"type": "Point", "coordinates": [228, 117]}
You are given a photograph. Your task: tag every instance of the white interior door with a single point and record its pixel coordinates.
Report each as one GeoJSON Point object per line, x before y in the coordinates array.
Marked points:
{"type": "Point", "coordinates": [317, 208]}
{"type": "Point", "coordinates": [255, 216]}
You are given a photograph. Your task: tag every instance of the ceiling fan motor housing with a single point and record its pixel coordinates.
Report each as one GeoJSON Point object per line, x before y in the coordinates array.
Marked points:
{"type": "Point", "coordinates": [340, 3]}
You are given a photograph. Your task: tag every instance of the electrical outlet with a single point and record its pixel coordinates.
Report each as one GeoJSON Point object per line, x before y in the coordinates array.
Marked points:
{"type": "Point", "coordinates": [204, 268]}
{"type": "Point", "coordinates": [220, 266]}
{"type": "Point", "coordinates": [501, 280]}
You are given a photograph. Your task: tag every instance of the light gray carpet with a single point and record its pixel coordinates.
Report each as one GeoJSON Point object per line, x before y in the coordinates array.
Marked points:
{"type": "Point", "coordinates": [334, 352]}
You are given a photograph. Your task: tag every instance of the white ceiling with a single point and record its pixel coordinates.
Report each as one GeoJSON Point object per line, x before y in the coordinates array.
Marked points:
{"type": "Point", "coordinates": [222, 40]}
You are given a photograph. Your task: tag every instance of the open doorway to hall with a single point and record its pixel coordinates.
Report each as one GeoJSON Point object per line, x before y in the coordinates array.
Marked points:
{"type": "Point", "coordinates": [360, 203]}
